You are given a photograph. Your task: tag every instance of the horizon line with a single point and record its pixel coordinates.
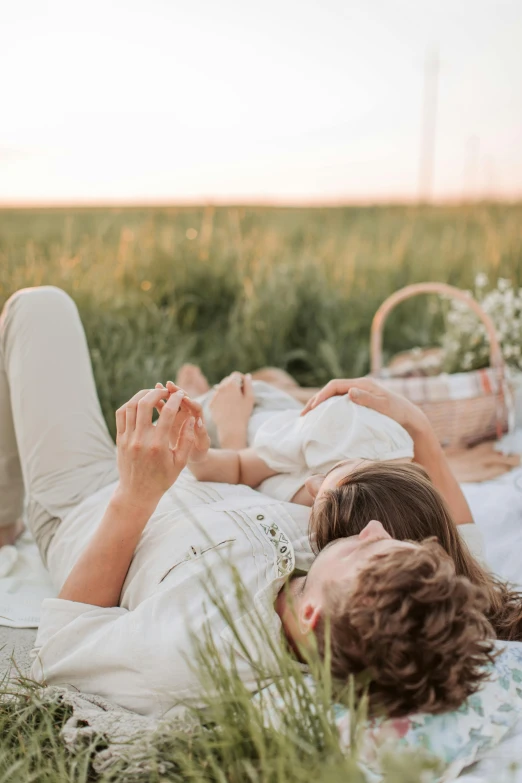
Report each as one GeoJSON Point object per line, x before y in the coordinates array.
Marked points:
{"type": "Point", "coordinates": [260, 202]}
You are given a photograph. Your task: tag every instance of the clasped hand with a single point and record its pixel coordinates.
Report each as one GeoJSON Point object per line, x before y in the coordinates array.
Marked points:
{"type": "Point", "coordinates": [151, 456]}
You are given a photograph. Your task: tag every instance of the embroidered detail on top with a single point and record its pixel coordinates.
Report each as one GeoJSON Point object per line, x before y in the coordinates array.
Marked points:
{"type": "Point", "coordinates": [285, 559]}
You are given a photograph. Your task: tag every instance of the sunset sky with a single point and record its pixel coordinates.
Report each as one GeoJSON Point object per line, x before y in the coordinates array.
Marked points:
{"type": "Point", "coordinates": [227, 100]}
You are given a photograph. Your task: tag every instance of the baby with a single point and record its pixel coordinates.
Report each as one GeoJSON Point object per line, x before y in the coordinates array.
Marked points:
{"type": "Point", "coordinates": [284, 449]}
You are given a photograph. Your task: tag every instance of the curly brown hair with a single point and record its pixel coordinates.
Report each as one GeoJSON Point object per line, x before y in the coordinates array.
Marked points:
{"type": "Point", "coordinates": [409, 507]}
{"type": "Point", "coordinates": [413, 627]}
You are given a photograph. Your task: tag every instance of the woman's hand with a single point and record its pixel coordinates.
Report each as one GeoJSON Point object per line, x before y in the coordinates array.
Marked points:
{"type": "Point", "coordinates": [189, 408]}
{"type": "Point", "coordinates": [427, 449]}
{"type": "Point", "coordinates": [231, 407]}
{"type": "Point", "coordinates": [370, 393]}
{"type": "Point", "coordinates": [148, 464]}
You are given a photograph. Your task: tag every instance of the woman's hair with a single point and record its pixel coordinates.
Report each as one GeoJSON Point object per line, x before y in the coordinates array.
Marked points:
{"type": "Point", "coordinates": [410, 508]}
{"type": "Point", "coordinates": [412, 629]}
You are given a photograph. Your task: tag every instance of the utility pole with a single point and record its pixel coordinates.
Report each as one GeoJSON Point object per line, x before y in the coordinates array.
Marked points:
{"type": "Point", "coordinates": [471, 169]}
{"type": "Point", "coordinates": [429, 124]}
{"type": "Point", "coordinates": [489, 177]}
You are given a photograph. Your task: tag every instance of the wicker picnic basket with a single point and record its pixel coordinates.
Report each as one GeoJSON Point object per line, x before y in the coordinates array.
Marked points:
{"type": "Point", "coordinates": [463, 408]}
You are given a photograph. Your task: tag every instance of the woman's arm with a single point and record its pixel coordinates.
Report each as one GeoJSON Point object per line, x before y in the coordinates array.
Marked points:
{"type": "Point", "coordinates": [147, 467]}
{"type": "Point", "coordinates": [220, 465]}
{"type": "Point", "coordinates": [429, 454]}
{"type": "Point", "coordinates": [232, 467]}
{"type": "Point", "coordinates": [427, 449]}
{"type": "Point", "coordinates": [231, 408]}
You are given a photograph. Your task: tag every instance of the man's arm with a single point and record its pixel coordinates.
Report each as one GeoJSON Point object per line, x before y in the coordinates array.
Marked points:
{"type": "Point", "coordinates": [232, 467]}
{"type": "Point", "coordinates": [148, 467]}
{"type": "Point", "coordinates": [98, 575]}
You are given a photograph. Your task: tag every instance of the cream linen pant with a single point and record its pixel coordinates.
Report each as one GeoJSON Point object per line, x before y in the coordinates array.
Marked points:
{"type": "Point", "coordinates": [54, 443]}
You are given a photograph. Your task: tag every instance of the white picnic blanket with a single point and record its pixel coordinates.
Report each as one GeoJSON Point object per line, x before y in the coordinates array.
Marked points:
{"type": "Point", "coordinates": [24, 583]}
{"type": "Point", "coordinates": [497, 510]}
{"type": "Point", "coordinates": [502, 764]}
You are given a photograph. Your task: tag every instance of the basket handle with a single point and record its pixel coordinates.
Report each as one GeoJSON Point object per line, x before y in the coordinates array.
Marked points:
{"type": "Point", "coordinates": [495, 352]}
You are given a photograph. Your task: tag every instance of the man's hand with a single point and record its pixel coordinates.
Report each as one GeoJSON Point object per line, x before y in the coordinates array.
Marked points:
{"type": "Point", "coordinates": [189, 409]}
{"type": "Point", "coordinates": [148, 464]}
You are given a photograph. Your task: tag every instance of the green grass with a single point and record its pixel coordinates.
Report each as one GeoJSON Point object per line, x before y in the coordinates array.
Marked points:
{"type": "Point", "coordinates": [295, 288]}
{"type": "Point", "coordinates": [226, 739]}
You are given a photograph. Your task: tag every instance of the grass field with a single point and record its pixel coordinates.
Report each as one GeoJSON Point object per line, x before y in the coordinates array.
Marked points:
{"type": "Point", "coordinates": [242, 287]}
{"type": "Point", "coordinates": [237, 288]}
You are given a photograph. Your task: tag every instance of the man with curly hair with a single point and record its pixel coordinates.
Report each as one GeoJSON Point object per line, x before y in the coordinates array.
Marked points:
{"type": "Point", "coordinates": [396, 612]}
{"type": "Point", "coordinates": [130, 538]}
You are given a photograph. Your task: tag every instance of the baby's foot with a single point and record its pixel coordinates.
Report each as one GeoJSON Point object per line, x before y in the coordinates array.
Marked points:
{"type": "Point", "coordinates": [191, 379]}
{"type": "Point", "coordinates": [9, 534]}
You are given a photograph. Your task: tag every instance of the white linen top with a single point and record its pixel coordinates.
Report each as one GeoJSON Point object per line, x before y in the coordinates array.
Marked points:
{"type": "Point", "coordinates": [338, 429]}
{"type": "Point", "coordinates": [138, 654]}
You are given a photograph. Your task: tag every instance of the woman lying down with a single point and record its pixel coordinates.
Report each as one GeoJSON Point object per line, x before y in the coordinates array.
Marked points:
{"type": "Point", "coordinates": [356, 452]}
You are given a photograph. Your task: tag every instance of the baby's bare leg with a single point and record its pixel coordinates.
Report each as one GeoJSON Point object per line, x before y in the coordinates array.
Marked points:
{"type": "Point", "coordinates": [191, 379]}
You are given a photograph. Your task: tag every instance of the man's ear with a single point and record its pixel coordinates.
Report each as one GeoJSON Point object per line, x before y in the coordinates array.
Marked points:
{"type": "Point", "coordinates": [309, 617]}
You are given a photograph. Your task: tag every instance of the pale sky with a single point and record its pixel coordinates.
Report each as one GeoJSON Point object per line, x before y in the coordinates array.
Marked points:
{"type": "Point", "coordinates": [231, 100]}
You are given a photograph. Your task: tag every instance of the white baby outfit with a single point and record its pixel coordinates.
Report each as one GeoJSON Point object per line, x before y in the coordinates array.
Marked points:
{"type": "Point", "coordinates": [300, 446]}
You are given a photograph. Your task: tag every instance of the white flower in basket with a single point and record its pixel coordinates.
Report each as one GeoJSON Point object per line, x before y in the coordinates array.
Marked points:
{"type": "Point", "coordinates": [465, 342]}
